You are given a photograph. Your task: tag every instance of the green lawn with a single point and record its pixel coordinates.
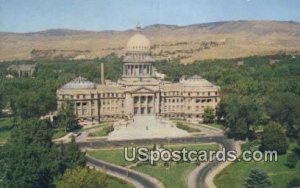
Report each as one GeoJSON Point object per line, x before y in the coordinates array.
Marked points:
{"type": "Point", "coordinates": [173, 176]}
{"type": "Point", "coordinates": [115, 156]}
{"type": "Point", "coordinates": [6, 124]}
{"type": "Point", "coordinates": [216, 125]}
{"type": "Point", "coordinates": [184, 126]}
{"type": "Point", "coordinates": [104, 131]}
{"type": "Point", "coordinates": [58, 133]}
{"type": "Point", "coordinates": [234, 175]}
{"type": "Point", "coordinates": [113, 182]}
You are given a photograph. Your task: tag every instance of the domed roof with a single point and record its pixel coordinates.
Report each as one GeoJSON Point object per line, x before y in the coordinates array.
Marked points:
{"type": "Point", "coordinates": [138, 43]}
{"type": "Point", "coordinates": [79, 83]}
{"type": "Point", "coordinates": [195, 81]}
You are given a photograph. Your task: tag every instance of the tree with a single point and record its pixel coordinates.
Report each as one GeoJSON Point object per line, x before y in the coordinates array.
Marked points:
{"type": "Point", "coordinates": [292, 160]}
{"type": "Point", "coordinates": [28, 159]}
{"type": "Point", "coordinates": [274, 139]}
{"type": "Point", "coordinates": [70, 156]}
{"type": "Point", "coordinates": [241, 114]}
{"type": "Point", "coordinates": [295, 182]}
{"type": "Point", "coordinates": [258, 178]}
{"type": "Point", "coordinates": [67, 118]}
{"type": "Point", "coordinates": [284, 108]}
{"type": "Point", "coordinates": [1, 102]}
{"type": "Point", "coordinates": [209, 115]}
{"type": "Point", "coordinates": [82, 177]}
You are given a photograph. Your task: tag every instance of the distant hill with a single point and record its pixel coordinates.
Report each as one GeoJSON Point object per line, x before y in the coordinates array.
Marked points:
{"type": "Point", "coordinates": [215, 40]}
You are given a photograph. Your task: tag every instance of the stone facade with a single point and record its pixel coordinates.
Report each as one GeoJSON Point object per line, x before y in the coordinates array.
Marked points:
{"type": "Point", "coordinates": [139, 91]}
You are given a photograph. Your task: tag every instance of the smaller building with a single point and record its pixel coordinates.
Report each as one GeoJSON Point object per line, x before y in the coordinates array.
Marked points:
{"type": "Point", "coordinates": [23, 70]}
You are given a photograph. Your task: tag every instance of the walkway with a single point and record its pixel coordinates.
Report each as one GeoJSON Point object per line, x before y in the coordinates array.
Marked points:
{"type": "Point", "coordinates": [146, 126]}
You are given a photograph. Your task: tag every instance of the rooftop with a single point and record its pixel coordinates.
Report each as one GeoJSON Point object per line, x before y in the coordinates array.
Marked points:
{"type": "Point", "coordinates": [79, 83]}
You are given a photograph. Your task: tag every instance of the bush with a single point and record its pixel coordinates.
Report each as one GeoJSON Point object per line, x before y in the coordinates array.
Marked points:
{"type": "Point", "coordinates": [108, 129]}
{"type": "Point", "coordinates": [258, 178]}
{"type": "Point", "coordinates": [292, 160]}
{"type": "Point", "coordinates": [180, 125]}
{"type": "Point", "coordinates": [295, 182]}
{"type": "Point", "coordinates": [209, 115]}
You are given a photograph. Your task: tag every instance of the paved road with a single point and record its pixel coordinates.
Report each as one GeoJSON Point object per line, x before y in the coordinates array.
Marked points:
{"type": "Point", "coordinates": [204, 172]}
{"type": "Point", "coordinates": [137, 178]}
{"type": "Point", "coordinates": [220, 139]}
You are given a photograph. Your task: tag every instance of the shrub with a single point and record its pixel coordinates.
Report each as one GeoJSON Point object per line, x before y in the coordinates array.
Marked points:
{"type": "Point", "coordinates": [258, 178]}
{"type": "Point", "coordinates": [209, 115]}
{"type": "Point", "coordinates": [180, 125]}
{"type": "Point", "coordinates": [295, 182]}
{"type": "Point", "coordinates": [292, 160]}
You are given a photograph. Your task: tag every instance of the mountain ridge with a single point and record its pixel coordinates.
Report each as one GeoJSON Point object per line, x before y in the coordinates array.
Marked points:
{"type": "Point", "coordinates": [224, 39]}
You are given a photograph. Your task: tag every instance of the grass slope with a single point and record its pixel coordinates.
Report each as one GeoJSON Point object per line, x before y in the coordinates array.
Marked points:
{"type": "Point", "coordinates": [173, 176]}
{"type": "Point", "coordinates": [234, 175]}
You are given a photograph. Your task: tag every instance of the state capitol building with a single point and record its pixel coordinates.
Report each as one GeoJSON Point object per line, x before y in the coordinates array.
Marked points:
{"type": "Point", "coordinates": [139, 91]}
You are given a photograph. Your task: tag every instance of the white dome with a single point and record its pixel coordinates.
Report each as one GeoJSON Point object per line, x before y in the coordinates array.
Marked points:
{"type": "Point", "coordinates": [138, 43]}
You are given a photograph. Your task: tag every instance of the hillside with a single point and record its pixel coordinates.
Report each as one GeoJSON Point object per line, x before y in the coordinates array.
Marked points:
{"type": "Point", "coordinates": [200, 41]}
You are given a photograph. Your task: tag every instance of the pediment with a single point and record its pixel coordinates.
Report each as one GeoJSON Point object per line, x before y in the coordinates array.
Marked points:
{"type": "Point", "coordinates": [143, 90]}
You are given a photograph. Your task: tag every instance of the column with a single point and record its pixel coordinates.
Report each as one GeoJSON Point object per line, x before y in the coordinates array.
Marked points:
{"type": "Point", "coordinates": [147, 69]}
{"type": "Point", "coordinates": [90, 108]}
{"type": "Point", "coordinates": [140, 105]}
{"type": "Point", "coordinates": [146, 106]}
{"type": "Point", "coordinates": [139, 69]}
{"type": "Point", "coordinates": [156, 103]}
{"type": "Point", "coordinates": [75, 108]}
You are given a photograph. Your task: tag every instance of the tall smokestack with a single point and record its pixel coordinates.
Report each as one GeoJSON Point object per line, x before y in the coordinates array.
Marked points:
{"type": "Point", "coordinates": [102, 74]}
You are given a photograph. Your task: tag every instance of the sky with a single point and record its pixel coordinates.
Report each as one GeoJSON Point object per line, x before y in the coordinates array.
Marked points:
{"type": "Point", "coordinates": [37, 15]}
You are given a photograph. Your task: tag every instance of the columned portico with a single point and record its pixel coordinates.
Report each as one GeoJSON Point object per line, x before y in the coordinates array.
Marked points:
{"type": "Point", "coordinates": [143, 104]}
{"type": "Point", "coordinates": [137, 70]}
